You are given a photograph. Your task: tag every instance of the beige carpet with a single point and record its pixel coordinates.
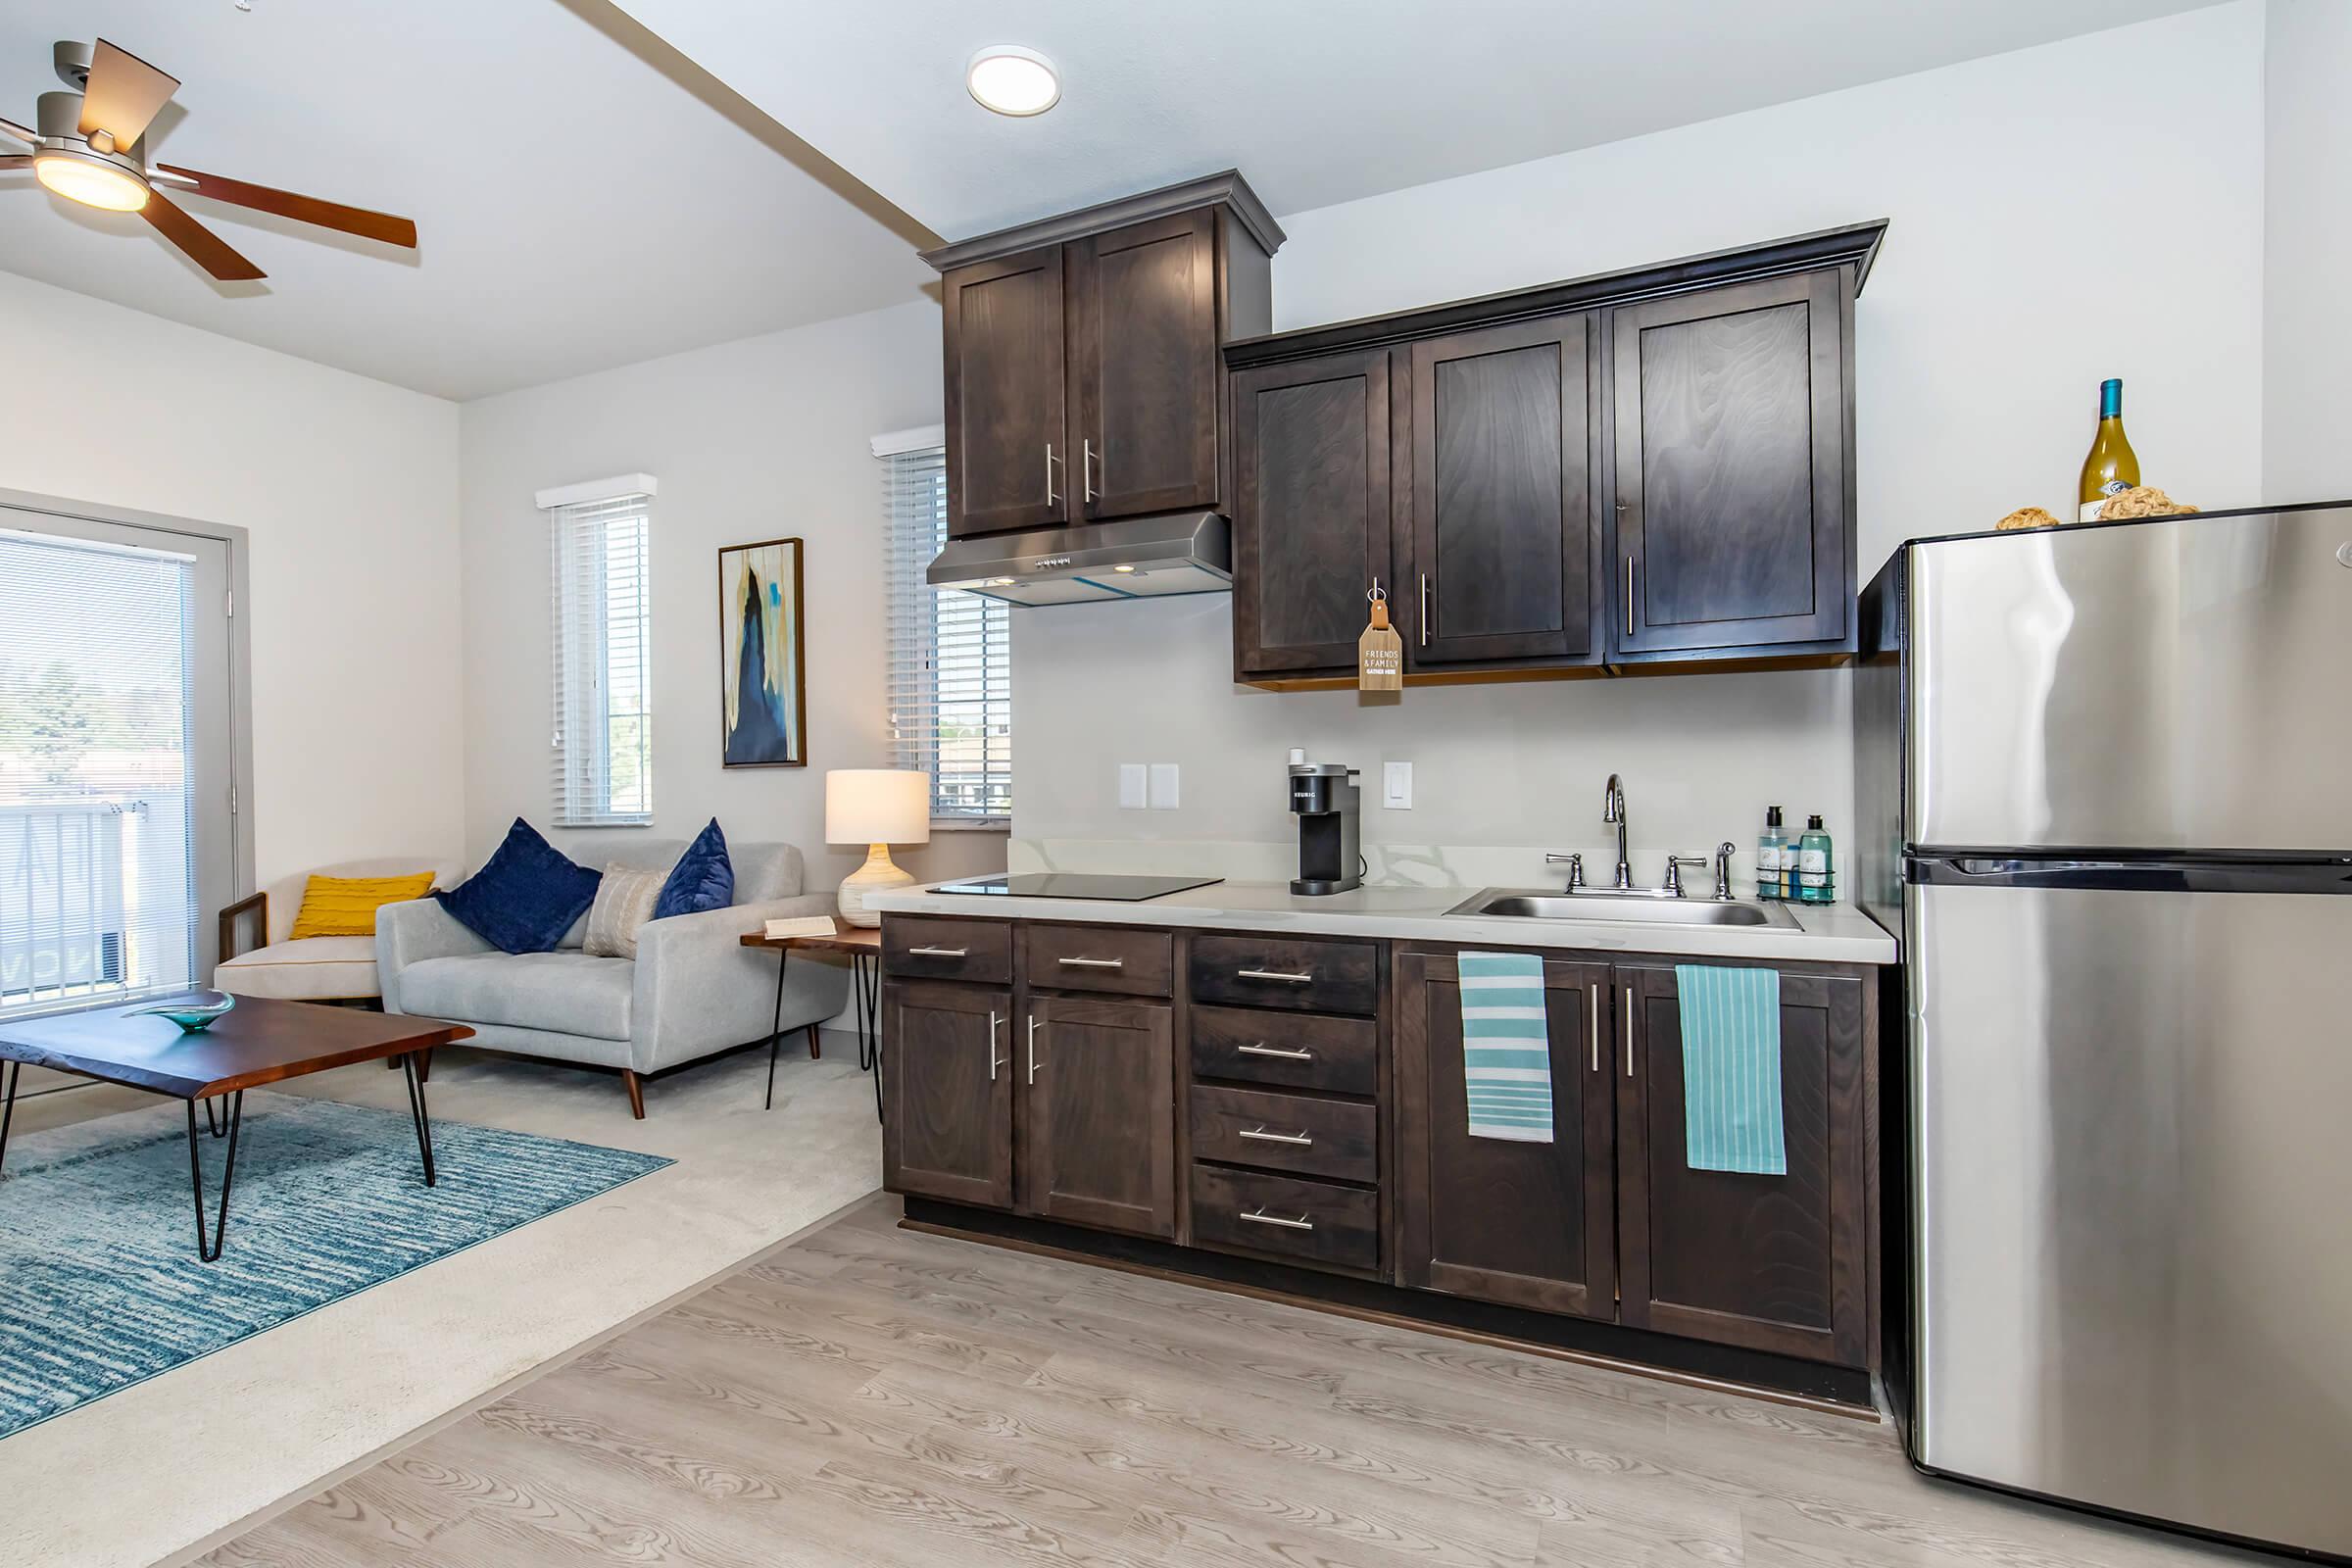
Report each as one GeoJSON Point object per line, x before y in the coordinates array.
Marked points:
{"type": "Point", "coordinates": [140, 1476]}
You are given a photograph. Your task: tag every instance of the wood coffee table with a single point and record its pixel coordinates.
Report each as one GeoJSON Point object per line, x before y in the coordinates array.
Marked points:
{"type": "Point", "coordinates": [259, 1041]}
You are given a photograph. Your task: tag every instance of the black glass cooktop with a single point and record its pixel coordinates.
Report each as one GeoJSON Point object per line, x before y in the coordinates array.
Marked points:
{"type": "Point", "coordinates": [1074, 885]}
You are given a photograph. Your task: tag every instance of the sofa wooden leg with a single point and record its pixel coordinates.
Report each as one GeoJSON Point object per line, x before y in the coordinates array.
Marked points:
{"type": "Point", "coordinates": [636, 1088]}
{"type": "Point", "coordinates": [813, 1051]}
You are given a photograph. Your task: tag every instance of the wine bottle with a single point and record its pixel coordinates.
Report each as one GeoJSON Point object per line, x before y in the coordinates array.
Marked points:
{"type": "Point", "coordinates": [2112, 467]}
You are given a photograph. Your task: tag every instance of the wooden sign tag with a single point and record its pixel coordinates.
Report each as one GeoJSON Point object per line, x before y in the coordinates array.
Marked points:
{"type": "Point", "coordinates": [1379, 652]}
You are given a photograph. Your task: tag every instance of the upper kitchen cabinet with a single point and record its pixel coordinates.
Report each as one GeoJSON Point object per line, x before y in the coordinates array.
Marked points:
{"type": "Point", "coordinates": [1083, 380]}
{"type": "Point", "coordinates": [1650, 468]}
{"type": "Point", "coordinates": [1735, 515]}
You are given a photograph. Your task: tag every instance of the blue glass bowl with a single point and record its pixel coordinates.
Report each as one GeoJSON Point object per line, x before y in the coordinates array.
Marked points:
{"type": "Point", "coordinates": [193, 1011]}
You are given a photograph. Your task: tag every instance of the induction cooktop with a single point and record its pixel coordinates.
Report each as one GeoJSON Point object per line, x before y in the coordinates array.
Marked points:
{"type": "Point", "coordinates": [1076, 885]}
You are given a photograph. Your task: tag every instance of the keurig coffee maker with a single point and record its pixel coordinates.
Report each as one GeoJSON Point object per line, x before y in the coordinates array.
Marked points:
{"type": "Point", "coordinates": [1326, 800]}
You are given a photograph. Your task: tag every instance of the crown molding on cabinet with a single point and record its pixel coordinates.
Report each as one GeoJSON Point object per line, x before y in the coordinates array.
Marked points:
{"type": "Point", "coordinates": [1228, 188]}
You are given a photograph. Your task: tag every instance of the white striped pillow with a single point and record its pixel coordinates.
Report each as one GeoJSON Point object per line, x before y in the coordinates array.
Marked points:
{"type": "Point", "coordinates": [624, 900]}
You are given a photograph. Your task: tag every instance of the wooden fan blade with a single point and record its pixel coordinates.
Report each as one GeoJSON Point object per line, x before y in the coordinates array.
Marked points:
{"type": "Point", "coordinates": [123, 94]}
{"type": "Point", "coordinates": [16, 161]}
{"type": "Point", "coordinates": [303, 209]}
{"type": "Point", "coordinates": [9, 127]}
{"type": "Point", "coordinates": [205, 248]}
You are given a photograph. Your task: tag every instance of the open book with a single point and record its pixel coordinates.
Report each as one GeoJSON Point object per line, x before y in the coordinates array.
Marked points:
{"type": "Point", "coordinates": [804, 925]}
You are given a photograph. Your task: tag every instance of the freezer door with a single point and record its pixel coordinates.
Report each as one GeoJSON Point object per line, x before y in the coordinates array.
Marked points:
{"type": "Point", "coordinates": [2173, 684]}
{"type": "Point", "coordinates": [2131, 1163]}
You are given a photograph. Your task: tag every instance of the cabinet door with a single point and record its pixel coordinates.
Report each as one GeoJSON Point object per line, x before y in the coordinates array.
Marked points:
{"type": "Point", "coordinates": [1732, 518]}
{"type": "Point", "coordinates": [1144, 377]}
{"type": "Point", "coordinates": [1008, 459]}
{"type": "Point", "coordinates": [1769, 1262]}
{"type": "Point", "coordinates": [1099, 1113]}
{"type": "Point", "coordinates": [1310, 515]}
{"type": "Point", "coordinates": [948, 1075]}
{"type": "Point", "coordinates": [1502, 551]}
{"type": "Point", "coordinates": [1524, 1223]}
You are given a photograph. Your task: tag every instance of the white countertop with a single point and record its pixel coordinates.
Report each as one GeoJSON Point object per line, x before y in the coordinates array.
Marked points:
{"type": "Point", "coordinates": [1835, 933]}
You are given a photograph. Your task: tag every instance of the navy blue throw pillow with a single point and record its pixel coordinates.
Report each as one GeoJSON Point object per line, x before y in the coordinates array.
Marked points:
{"type": "Point", "coordinates": [525, 896]}
{"type": "Point", "coordinates": [703, 879]}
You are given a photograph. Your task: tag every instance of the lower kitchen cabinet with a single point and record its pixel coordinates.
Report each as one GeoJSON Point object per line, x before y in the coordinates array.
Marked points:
{"type": "Point", "coordinates": [1769, 1262]}
{"type": "Point", "coordinates": [1099, 1113]}
{"type": "Point", "coordinates": [951, 1077]}
{"type": "Point", "coordinates": [1530, 1224]}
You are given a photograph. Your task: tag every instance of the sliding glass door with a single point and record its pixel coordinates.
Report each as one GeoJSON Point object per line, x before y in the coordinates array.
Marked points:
{"type": "Point", "coordinates": [118, 821]}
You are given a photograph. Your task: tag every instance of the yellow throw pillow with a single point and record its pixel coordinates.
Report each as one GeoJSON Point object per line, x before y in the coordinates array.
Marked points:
{"type": "Point", "coordinates": [345, 905]}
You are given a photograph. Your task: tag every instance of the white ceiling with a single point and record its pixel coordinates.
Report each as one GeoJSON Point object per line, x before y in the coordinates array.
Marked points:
{"type": "Point", "coordinates": [1316, 101]}
{"type": "Point", "coordinates": [576, 207]}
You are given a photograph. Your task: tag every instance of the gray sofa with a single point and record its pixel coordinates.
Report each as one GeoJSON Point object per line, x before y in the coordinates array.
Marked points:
{"type": "Point", "coordinates": [692, 991]}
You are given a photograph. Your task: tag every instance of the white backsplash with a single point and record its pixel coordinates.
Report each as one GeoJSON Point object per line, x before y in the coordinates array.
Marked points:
{"type": "Point", "coordinates": [1409, 865]}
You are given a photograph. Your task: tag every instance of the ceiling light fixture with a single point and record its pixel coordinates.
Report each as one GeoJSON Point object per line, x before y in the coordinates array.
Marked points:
{"type": "Point", "coordinates": [90, 180]}
{"type": "Point", "coordinates": [1013, 81]}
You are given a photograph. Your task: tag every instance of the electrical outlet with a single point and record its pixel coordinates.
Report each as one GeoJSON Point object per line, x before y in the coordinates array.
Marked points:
{"type": "Point", "coordinates": [1163, 786]}
{"type": "Point", "coordinates": [1131, 786]}
{"type": "Point", "coordinates": [1396, 786]}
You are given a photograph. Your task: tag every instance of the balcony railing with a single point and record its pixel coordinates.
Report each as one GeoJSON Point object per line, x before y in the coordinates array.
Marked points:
{"type": "Point", "coordinates": [67, 900]}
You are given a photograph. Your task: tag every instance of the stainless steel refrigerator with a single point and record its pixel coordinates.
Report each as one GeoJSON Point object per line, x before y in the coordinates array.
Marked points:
{"type": "Point", "coordinates": [2105, 783]}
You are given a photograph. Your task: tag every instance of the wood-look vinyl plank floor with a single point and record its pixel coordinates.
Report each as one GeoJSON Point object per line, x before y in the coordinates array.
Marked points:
{"type": "Point", "coordinates": [874, 1398]}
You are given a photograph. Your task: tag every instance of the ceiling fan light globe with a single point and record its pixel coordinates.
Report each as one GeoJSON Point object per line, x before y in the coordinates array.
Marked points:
{"type": "Point", "coordinates": [92, 181]}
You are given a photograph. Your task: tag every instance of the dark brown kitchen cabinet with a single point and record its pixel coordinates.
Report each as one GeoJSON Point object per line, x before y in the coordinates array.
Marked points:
{"type": "Point", "coordinates": [1498, 549]}
{"type": "Point", "coordinates": [1144, 351]}
{"type": "Point", "coordinates": [1768, 1263]}
{"type": "Point", "coordinates": [1734, 505]}
{"type": "Point", "coordinates": [1099, 1113]}
{"type": "Point", "coordinates": [1530, 1224]}
{"type": "Point", "coordinates": [1007, 455]}
{"type": "Point", "coordinates": [1310, 511]}
{"type": "Point", "coordinates": [951, 1079]}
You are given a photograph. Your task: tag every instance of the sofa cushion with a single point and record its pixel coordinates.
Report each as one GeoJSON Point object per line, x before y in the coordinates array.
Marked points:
{"type": "Point", "coordinates": [312, 969]}
{"type": "Point", "coordinates": [566, 992]}
{"type": "Point", "coordinates": [526, 895]}
{"type": "Point", "coordinates": [703, 879]}
{"type": "Point", "coordinates": [345, 905]}
{"type": "Point", "coordinates": [624, 900]}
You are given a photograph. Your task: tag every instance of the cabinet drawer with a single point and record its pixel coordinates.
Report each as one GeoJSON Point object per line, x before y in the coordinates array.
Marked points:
{"type": "Point", "coordinates": [1336, 1138]}
{"type": "Point", "coordinates": [1273, 972]}
{"type": "Point", "coordinates": [1293, 1050]}
{"type": "Point", "coordinates": [947, 950]}
{"type": "Point", "coordinates": [1126, 959]}
{"type": "Point", "coordinates": [1308, 1222]}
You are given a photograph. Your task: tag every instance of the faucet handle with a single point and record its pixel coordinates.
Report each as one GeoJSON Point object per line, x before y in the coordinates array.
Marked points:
{"type": "Point", "coordinates": [1574, 865]}
{"type": "Point", "coordinates": [1674, 870]}
{"type": "Point", "coordinates": [1723, 871]}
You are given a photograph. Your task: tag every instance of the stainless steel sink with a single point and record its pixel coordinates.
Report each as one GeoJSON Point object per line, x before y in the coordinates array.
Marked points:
{"type": "Point", "coordinates": [1536, 904]}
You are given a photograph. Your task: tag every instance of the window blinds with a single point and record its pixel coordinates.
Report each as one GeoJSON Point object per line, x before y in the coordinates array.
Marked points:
{"type": "Point", "coordinates": [602, 749]}
{"type": "Point", "coordinates": [949, 658]}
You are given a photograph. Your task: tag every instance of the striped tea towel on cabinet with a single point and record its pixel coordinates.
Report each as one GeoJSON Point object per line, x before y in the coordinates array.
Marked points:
{"type": "Point", "coordinates": [1507, 1052]}
{"type": "Point", "coordinates": [1731, 1069]}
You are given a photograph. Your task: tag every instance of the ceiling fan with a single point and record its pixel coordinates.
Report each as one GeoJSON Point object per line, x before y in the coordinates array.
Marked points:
{"type": "Point", "coordinates": [87, 149]}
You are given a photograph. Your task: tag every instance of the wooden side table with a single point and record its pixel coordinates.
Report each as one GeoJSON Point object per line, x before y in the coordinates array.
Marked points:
{"type": "Point", "coordinates": [863, 944]}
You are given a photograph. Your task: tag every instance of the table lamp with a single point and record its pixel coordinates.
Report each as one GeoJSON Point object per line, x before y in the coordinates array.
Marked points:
{"type": "Point", "coordinates": [877, 807]}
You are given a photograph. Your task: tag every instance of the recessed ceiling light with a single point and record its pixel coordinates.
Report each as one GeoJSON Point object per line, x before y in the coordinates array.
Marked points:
{"type": "Point", "coordinates": [1013, 81]}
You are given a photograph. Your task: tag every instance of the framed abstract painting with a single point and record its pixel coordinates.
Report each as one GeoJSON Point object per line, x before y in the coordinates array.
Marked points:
{"type": "Point", "coordinates": [763, 682]}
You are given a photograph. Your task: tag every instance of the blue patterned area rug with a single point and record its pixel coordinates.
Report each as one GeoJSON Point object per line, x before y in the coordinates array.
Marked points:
{"type": "Point", "coordinates": [100, 1285]}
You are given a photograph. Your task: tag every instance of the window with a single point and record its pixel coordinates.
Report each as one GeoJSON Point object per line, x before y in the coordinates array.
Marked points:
{"type": "Point", "coordinates": [950, 654]}
{"type": "Point", "coordinates": [602, 749]}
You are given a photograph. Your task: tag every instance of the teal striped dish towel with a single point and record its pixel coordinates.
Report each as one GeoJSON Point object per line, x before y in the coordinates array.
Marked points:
{"type": "Point", "coordinates": [1731, 1069]}
{"type": "Point", "coordinates": [1506, 1052]}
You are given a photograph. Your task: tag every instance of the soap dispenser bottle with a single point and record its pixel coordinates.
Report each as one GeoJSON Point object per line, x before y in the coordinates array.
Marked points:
{"type": "Point", "coordinates": [1772, 857]}
{"type": "Point", "coordinates": [1814, 872]}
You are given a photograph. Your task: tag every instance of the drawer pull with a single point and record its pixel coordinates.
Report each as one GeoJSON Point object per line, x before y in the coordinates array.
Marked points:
{"type": "Point", "coordinates": [994, 1023]}
{"type": "Point", "coordinates": [1261, 1048]}
{"type": "Point", "coordinates": [1261, 1136]}
{"type": "Point", "coordinates": [1261, 1217]}
{"type": "Point", "coordinates": [939, 952]}
{"type": "Point", "coordinates": [1091, 963]}
{"type": "Point", "coordinates": [1277, 974]}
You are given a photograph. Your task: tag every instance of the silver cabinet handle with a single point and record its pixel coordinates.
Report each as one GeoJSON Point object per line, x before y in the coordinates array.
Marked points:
{"type": "Point", "coordinates": [1050, 459]}
{"type": "Point", "coordinates": [1629, 1031]}
{"type": "Point", "coordinates": [1087, 458]}
{"type": "Point", "coordinates": [1260, 1136]}
{"type": "Point", "coordinates": [993, 1064]}
{"type": "Point", "coordinates": [1091, 963]}
{"type": "Point", "coordinates": [1276, 974]}
{"type": "Point", "coordinates": [1261, 1217]}
{"type": "Point", "coordinates": [1033, 1051]}
{"type": "Point", "coordinates": [1596, 990]}
{"type": "Point", "coordinates": [1425, 609]}
{"type": "Point", "coordinates": [1261, 1048]}
{"type": "Point", "coordinates": [938, 952]}
{"type": "Point", "coordinates": [1629, 596]}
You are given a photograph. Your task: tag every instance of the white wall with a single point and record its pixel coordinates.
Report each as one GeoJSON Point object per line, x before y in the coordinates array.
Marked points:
{"type": "Point", "coordinates": [348, 489]}
{"type": "Point", "coordinates": [2013, 277]}
{"type": "Point", "coordinates": [2307, 242]}
{"type": "Point", "coordinates": [758, 439]}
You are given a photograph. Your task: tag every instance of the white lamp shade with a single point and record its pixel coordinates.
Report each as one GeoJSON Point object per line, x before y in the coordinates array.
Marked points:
{"type": "Point", "coordinates": [877, 806]}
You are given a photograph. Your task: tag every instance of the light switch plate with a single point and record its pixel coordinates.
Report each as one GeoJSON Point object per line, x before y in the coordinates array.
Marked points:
{"type": "Point", "coordinates": [1163, 786]}
{"type": "Point", "coordinates": [1131, 786]}
{"type": "Point", "coordinates": [1396, 786]}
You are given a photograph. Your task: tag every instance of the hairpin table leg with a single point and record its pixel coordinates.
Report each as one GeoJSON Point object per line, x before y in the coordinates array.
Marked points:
{"type": "Point", "coordinates": [210, 1251]}
{"type": "Point", "coordinates": [775, 1031]}
{"type": "Point", "coordinates": [424, 1128]}
{"type": "Point", "coordinates": [8, 1110]}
